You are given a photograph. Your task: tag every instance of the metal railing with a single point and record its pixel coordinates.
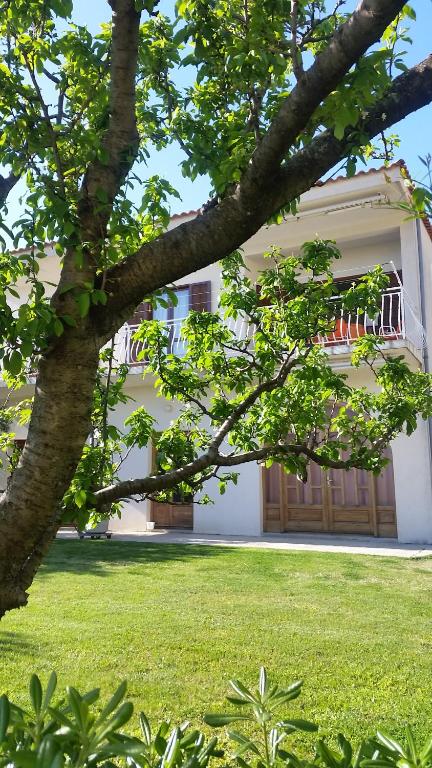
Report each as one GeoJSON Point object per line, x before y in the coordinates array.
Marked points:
{"type": "Point", "coordinates": [388, 322]}
{"type": "Point", "coordinates": [130, 350]}
{"type": "Point", "coordinates": [395, 320]}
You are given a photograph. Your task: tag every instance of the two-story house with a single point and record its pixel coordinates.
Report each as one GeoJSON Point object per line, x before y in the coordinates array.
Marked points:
{"type": "Point", "coordinates": [359, 213]}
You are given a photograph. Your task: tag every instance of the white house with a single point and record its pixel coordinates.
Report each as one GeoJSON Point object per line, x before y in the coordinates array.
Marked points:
{"type": "Point", "coordinates": [355, 212]}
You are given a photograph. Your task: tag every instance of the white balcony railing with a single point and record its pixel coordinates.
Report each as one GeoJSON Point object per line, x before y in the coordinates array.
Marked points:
{"type": "Point", "coordinates": [395, 321]}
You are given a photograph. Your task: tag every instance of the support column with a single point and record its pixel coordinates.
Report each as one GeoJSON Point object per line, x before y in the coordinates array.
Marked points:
{"type": "Point", "coordinates": [413, 486]}
{"type": "Point", "coordinates": [410, 277]}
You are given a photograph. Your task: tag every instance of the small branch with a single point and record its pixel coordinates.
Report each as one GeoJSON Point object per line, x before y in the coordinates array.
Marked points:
{"type": "Point", "coordinates": [50, 76]}
{"type": "Point", "coordinates": [297, 63]}
{"type": "Point", "coordinates": [56, 153]}
{"type": "Point", "coordinates": [241, 409]}
{"type": "Point", "coordinates": [308, 37]}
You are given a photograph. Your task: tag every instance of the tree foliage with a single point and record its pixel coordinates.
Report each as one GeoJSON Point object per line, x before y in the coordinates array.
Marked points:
{"type": "Point", "coordinates": [261, 96]}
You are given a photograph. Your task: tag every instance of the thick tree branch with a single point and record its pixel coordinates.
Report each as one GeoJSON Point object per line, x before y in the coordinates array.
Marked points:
{"type": "Point", "coordinates": [409, 92]}
{"type": "Point", "coordinates": [7, 183]}
{"type": "Point", "coordinates": [155, 483]}
{"type": "Point", "coordinates": [118, 151]}
{"type": "Point", "coordinates": [120, 144]}
{"type": "Point", "coordinates": [350, 41]}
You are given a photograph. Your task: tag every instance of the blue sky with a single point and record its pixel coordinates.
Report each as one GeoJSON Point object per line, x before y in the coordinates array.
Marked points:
{"type": "Point", "coordinates": [415, 131]}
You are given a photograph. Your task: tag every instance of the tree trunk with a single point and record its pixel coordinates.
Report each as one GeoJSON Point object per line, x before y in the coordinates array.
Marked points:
{"type": "Point", "coordinates": [59, 426]}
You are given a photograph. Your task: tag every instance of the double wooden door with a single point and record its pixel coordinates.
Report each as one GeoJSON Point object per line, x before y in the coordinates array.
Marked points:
{"type": "Point", "coordinates": [331, 501]}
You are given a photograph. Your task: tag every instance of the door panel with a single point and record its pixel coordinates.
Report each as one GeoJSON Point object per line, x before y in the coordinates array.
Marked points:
{"type": "Point", "coordinates": [172, 515]}
{"type": "Point", "coordinates": [304, 506]}
{"type": "Point", "coordinates": [333, 501]}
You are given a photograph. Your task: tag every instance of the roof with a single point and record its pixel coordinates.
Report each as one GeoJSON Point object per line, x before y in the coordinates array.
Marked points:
{"type": "Point", "coordinates": [383, 168]}
{"type": "Point", "coordinates": [49, 244]}
{"type": "Point", "coordinates": [396, 164]}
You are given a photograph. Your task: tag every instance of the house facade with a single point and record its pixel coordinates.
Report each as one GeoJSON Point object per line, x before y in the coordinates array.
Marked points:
{"type": "Point", "coordinates": [369, 230]}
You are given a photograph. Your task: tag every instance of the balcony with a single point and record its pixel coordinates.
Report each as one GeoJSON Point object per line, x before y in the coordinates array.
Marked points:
{"type": "Point", "coordinates": [396, 323]}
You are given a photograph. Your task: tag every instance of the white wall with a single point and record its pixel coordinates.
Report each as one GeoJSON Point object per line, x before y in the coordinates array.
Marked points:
{"type": "Point", "coordinates": [356, 258]}
{"type": "Point", "coordinates": [413, 486]}
{"type": "Point", "coordinates": [239, 511]}
{"type": "Point", "coordinates": [139, 462]}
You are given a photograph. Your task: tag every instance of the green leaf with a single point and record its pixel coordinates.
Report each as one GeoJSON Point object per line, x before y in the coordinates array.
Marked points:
{"type": "Point", "coordinates": [113, 702]}
{"type": "Point", "coordinates": [83, 301]}
{"type": "Point", "coordinates": [237, 702]}
{"type": "Point", "coordinates": [245, 743]}
{"type": "Point", "coordinates": [145, 728]}
{"type": "Point", "coordinates": [69, 320]}
{"type": "Point", "coordinates": [47, 753]}
{"type": "Point", "coordinates": [4, 716]}
{"type": "Point", "coordinates": [58, 327]}
{"type": "Point", "coordinates": [298, 725]}
{"type": "Point", "coordinates": [242, 691]}
{"type": "Point", "coordinates": [218, 720]}
{"type": "Point", "coordinates": [80, 498]}
{"type": "Point", "coordinates": [36, 693]}
{"type": "Point", "coordinates": [76, 705]}
{"type": "Point", "coordinates": [14, 363]}
{"type": "Point", "coordinates": [172, 750]}
{"type": "Point", "coordinates": [123, 714]}
{"type": "Point", "coordinates": [390, 744]}
{"type": "Point", "coordinates": [263, 682]}
{"type": "Point", "coordinates": [51, 686]}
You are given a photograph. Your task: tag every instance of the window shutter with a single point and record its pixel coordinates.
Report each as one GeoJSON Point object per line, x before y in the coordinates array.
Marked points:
{"type": "Point", "coordinates": [144, 311]}
{"type": "Point", "coordinates": [262, 302]}
{"type": "Point", "coordinates": [200, 296]}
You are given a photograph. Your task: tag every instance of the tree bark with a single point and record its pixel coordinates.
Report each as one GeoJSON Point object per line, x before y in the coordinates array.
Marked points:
{"type": "Point", "coordinates": [59, 426]}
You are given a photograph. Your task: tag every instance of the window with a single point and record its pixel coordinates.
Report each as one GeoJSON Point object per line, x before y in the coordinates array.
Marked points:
{"type": "Point", "coordinates": [196, 296]}
{"type": "Point", "coordinates": [173, 315]}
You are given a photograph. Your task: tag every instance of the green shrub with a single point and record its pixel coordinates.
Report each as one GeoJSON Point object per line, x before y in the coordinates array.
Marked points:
{"type": "Point", "coordinates": [77, 731]}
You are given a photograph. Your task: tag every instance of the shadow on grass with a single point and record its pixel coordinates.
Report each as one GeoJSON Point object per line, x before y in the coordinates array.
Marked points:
{"type": "Point", "coordinates": [98, 557]}
{"type": "Point", "coordinates": [15, 642]}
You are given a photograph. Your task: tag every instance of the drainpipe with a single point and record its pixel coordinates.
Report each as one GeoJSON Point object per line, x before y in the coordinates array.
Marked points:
{"type": "Point", "coordinates": [426, 360]}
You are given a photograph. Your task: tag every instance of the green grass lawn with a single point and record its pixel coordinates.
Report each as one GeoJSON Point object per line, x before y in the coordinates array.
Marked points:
{"type": "Point", "coordinates": [179, 621]}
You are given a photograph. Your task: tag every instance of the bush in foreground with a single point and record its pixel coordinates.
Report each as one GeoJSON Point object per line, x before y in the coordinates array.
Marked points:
{"type": "Point", "coordinates": [76, 731]}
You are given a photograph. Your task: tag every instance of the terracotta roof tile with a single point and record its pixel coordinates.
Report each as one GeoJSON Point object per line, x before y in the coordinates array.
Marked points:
{"type": "Point", "coordinates": [428, 226]}
{"type": "Point", "coordinates": [50, 244]}
{"type": "Point", "coordinates": [185, 213]}
{"type": "Point", "coordinates": [396, 164]}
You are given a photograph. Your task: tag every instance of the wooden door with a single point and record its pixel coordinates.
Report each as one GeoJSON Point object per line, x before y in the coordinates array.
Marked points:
{"type": "Point", "coordinates": [172, 515]}
{"type": "Point", "coordinates": [331, 501]}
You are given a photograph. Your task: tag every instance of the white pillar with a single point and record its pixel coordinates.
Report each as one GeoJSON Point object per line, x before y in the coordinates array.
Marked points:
{"type": "Point", "coordinates": [135, 515]}
{"type": "Point", "coordinates": [238, 512]}
{"type": "Point", "coordinates": [410, 276]}
{"type": "Point", "coordinates": [413, 486]}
